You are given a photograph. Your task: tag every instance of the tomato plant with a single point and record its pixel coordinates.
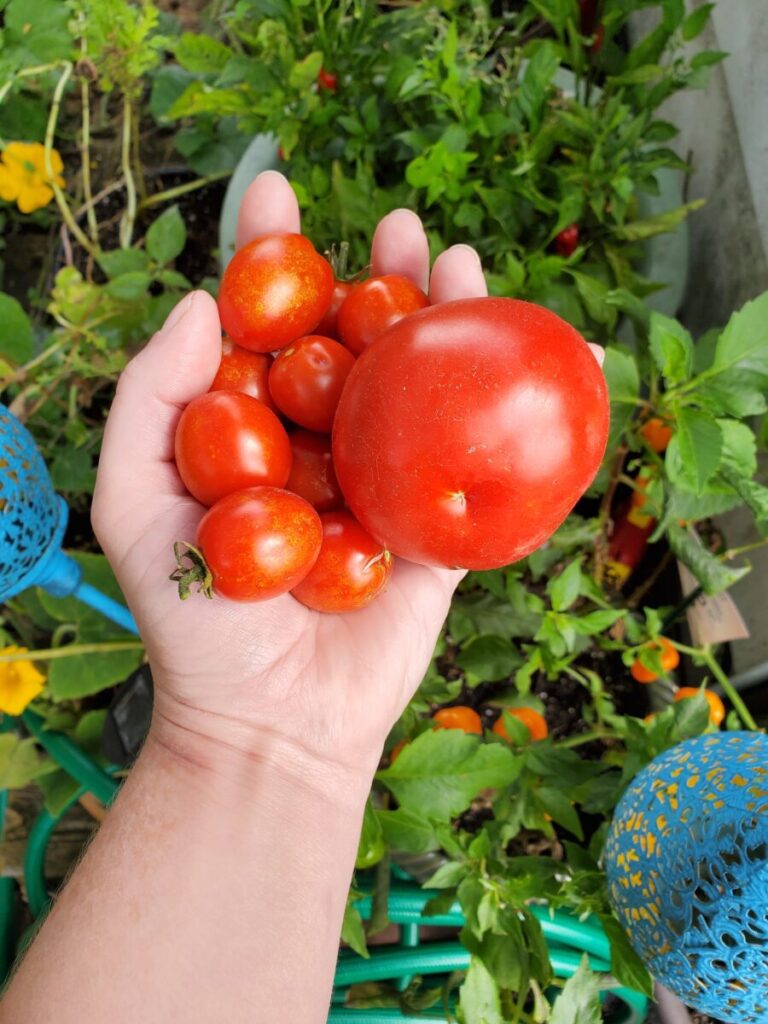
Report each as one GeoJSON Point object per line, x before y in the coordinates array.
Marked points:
{"type": "Point", "coordinates": [312, 474]}
{"type": "Point", "coordinates": [467, 433]}
{"type": "Point", "coordinates": [351, 570]}
{"type": "Point", "coordinates": [716, 706]}
{"type": "Point", "coordinates": [373, 306]}
{"type": "Point", "coordinates": [245, 371]}
{"type": "Point", "coordinates": [274, 290]}
{"type": "Point", "coordinates": [259, 543]}
{"type": "Point", "coordinates": [458, 716]}
{"type": "Point", "coordinates": [306, 380]}
{"type": "Point", "coordinates": [226, 441]}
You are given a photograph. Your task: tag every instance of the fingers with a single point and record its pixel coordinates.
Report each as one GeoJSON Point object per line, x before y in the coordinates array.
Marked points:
{"type": "Point", "coordinates": [457, 274]}
{"type": "Point", "coordinates": [136, 469]}
{"type": "Point", "coordinates": [270, 204]}
{"type": "Point", "coordinates": [400, 246]}
{"type": "Point", "coordinates": [598, 352]}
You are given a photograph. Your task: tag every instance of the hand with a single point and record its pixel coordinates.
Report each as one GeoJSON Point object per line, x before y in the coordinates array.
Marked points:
{"type": "Point", "coordinates": [271, 680]}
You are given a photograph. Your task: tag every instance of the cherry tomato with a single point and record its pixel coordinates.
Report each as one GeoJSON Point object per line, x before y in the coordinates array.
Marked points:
{"type": "Point", "coordinates": [327, 80]}
{"type": "Point", "coordinates": [567, 241]}
{"type": "Point", "coordinates": [226, 441]}
{"type": "Point", "coordinates": [259, 542]}
{"type": "Point", "coordinates": [397, 750]}
{"type": "Point", "coordinates": [716, 706]}
{"type": "Point", "coordinates": [274, 290]}
{"type": "Point", "coordinates": [374, 305]}
{"type": "Point", "coordinates": [459, 717]}
{"type": "Point", "coordinates": [306, 380]}
{"type": "Point", "coordinates": [656, 434]}
{"type": "Point", "coordinates": [468, 432]}
{"type": "Point", "coordinates": [312, 474]}
{"type": "Point", "coordinates": [670, 659]}
{"type": "Point", "coordinates": [329, 325]}
{"type": "Point", "coordinates": [597, 46]}
{"type": "Point", "coordinates": [244, 371]}
{"type": "Point", "coordinates": [350, 571]}
{"type": "Point", "coordinates": [532, 720]}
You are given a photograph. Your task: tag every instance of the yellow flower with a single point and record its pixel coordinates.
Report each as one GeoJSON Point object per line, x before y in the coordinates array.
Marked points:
{"type": "Point", "coordinates": [20, 682]}
{"type": "Point", "coordinates": [23, 178]}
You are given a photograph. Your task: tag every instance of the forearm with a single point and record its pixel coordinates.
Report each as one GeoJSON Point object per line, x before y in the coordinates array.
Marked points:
{"type": "Point", "coordinates": [214, 891]}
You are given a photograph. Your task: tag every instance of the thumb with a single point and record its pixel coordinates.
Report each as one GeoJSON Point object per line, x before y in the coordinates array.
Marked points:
{"type": "Point", "coordinates": [137, 477]}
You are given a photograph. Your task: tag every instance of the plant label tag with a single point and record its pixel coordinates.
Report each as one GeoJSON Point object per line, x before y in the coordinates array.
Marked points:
{"type": "Point", "coordinates": [712, 618]}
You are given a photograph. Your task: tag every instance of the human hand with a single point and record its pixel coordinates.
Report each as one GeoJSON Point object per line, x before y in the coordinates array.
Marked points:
{"type": "Point", "coordinates": [274, 680]}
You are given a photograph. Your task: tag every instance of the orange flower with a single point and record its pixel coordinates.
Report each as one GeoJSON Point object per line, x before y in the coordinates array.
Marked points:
{"type": "Point", "coordinates": [20, 682]}
{"type": "Point", "coordinates": [23, 178]}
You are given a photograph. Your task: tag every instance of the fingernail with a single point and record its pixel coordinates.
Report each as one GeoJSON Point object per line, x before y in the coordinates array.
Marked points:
{"type": "Point", "coordinates": [598, 352]}
{"type": "Point", "coordinates": [179, 311]}
{"type": "Point", "coordinates": [270, 174]}
{"type": "Point", "coordinates": [404, 209]}
{"type": "Point", "coordinates": [467, 248]}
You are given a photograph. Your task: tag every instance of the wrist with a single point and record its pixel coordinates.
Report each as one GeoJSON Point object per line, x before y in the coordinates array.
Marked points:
{"type": "Point", "coordinates": [247, 757]}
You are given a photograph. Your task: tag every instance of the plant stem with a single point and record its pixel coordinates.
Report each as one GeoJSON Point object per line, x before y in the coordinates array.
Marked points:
{"type": "Point", "coordinates": [129, 217]}
{"type": "Point", "coordinates": [735, 552]}
{"type": "Point", "coordinates": [585, 737]}
{"type": "Point", "coordinates": [22, 372]}
{"type": "Point", "coordinates": [50, 131]}
{"type": "Point", "coordinates": [38, 69]}
{"type": "Point", "coordinates": [72, 650]}
{"type": "Point", "coordinates": [180, 190]}
{"type": "Point", "coordinates": [85, 146]}
{"type": "Point", "coordinates": [730, 690]}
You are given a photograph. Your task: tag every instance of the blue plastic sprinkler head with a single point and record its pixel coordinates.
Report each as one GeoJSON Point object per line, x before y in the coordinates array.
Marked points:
{"type": "Point", "coordinates": [687, 866]}
{"type": "Point", "coordinates": [33, 519]}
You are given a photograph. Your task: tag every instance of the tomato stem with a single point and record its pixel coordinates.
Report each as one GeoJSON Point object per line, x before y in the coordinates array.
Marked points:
{"type": "Point", "coordinates": [194, 571]}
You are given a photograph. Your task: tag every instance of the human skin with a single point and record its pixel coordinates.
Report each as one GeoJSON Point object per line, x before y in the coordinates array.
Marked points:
{"type": "Point", "coordinates": [216, 887]}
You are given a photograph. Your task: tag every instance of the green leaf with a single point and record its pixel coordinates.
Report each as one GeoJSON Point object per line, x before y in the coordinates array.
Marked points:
{"type": "Point", "coordinates": [713, 574]}
{"type": "Point", "coordinates": [626, 966]}
{"type": "Point", "coordinates": [16, 338]}
{"type": "Point", "coordinates": [305, 72]}
{"type": "Point", "coordinates": [671, 348]}
{"type": "Point", "coordinates": [739, 393]}
{"type": "Point", "coordinates": [82, 675]}
{"type": "Point", "coordinates": [440, 772]}
{"type": "Point", "coordinates": [353, 932]}
{"type": "Point", "coordinates": [447, 876]}
{"type": "Point", "coordinates": [579, 1001]}
{"type": "Point", "coordinates": [370, 848]}
{"type": "Point", "coordinates": [20, 762]}
{"type": "Point", "coordinates": [166, 236]}
{"type": "Point", "coordinates": [480, 1001]}
{"type": "Point", "coordinates": [596, 622]}
{"type": "Point", "coordinates": [622, 375]}
{"type": "Point", "coordinates": [537, 81]}
{"type": "Point", "coordinates": [89, 730]}
{"type": "Point", "coordinates": [123, 261]}
{"type": "Point", "coordinates": [565, 588]}
{"type": "Point", "coordinates": [744, 340]}
{"type": "Point", "coordinates": [91, 624]}
{"type": "Point", "coordinates": [739, 448]}
{"type": "Point", "coordinates": [39, 27]}
{"type": "Point", "coordinates": [694, 452]}
{"type": "Point", "coordinates": [72, 471]}
{"type": "Point", "coordinates": [58, 788]}
{"type": "Point", "coordinates": [489, 658]}
{"type": "Point", "coordinates": [407, 832]}
{"type": "Point", "coordinates": [559, 807]}
{"type": "Point", "coordinates": [638, 230]}
{"type": "Point", "coordinates": [130, 286]}
{"type": "Point", "coordinates": [202, 54]}
{"type": "Point", "coordinates": [696, 21]}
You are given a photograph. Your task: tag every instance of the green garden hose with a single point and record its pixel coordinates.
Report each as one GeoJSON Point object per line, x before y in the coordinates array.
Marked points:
{"type": "Point", "coordinates": [72, 759]}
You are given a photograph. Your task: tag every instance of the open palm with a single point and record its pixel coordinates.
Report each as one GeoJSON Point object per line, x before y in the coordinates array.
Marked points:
{"type": "Point", "coordinates": [329, 685]}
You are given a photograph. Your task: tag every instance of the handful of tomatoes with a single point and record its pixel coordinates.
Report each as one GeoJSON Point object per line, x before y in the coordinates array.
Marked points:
{"type": "Point", "coordinates": [349, 423]}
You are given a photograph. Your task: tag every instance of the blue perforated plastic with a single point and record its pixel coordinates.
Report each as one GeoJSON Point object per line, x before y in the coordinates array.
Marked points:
{"type": "Point", "coordinates": [32, 523]}
{"type": "Point", "coordinates": [687, 866]}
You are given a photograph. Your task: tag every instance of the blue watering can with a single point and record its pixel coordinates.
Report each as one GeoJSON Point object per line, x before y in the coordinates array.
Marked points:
{"type": "Point", "coordinates": [33, 519]}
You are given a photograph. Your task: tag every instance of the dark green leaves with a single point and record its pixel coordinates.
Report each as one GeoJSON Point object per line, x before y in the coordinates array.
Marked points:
{"type": "Point", "coordinates": [671, 348]}
{"type": "Point", "coordinates": [202, 54]}
{"type": "Point", "coordinates": [626, 966]}
{"type": "Point", "coordinates": [440, 772]}
{"type": "Point", "coordinates": [537, 81]}
{"type": "Point", "coordinates": [713, 574]}
{"type": "Point", "coordinates": [694, 452]}
{"type": "Point", "coordinates": [166, 236]}
{"type": "Point", "coordinates": [488, 658]}
{"type": "Point", "coordinates": [480, 1001]}
{"type": "Point", "coordinates": [579, 1001]}
{"type": "Point", "coordinates": [16, 340]}
{"type": "Point", "coordinates": [744, 341]}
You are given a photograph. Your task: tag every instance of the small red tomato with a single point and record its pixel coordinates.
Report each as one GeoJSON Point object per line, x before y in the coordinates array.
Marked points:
{"type": "Point", "coordinates": [668, 655]}
{"type": "Point", "coordinates": [306, 380]}
{"type": "Point", "coordinates": [567, 241]}
{"type": "Point", "coordinates": [274, 290]}
{"type": "Point", "coordinates": [226, 441]}
{"type": "Point", "coordinates": [657, 434]}
{"type": "Point", "coordinates": [597, 46]}
{"type": "Point", "coordinates": [534, 722]}
{"type": "Point", "coordinates": [373, 306]}
{"type": "Point", "coordinates": [459, 717]}
{"type": "Point", "coordinates": [312, 474]}
{"type": "Point", "coordinates": [329, 325]}
{"type": "Point", "coordinates": [259, 542]}
{"type": "Point", "coordinates": [350, 571]}
{"type": "Point", "coordinates": [327, 80]}
{"type": "Point", "coordinates": [244, 371]}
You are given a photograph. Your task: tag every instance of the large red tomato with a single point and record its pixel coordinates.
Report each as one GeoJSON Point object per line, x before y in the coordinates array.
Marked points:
{"type": "Point", "coordinates": [226, 441]}
{"type": "Point", "coordinates": [274, 290]}
{"type": "Point", "coordinates": [259, 542]}
{"type": "Point", "coordinates": [241, 370]}
{"type": "Point", "coordinates": [468, 432]}
{"type": "Point", "coordinates": [373, 306]}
